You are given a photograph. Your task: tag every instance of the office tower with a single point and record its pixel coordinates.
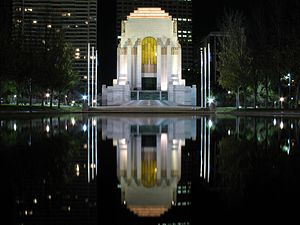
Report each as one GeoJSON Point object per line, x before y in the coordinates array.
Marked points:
{"type": "Point", "coordinates": [32, 20]}
{"type": "Point", "coordinates": [5, 17]}
{"type": "Point", "coordinates": [181, 11]}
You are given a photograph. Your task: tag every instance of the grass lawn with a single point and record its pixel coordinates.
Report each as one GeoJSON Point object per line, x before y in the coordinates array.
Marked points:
{"type": "Point", "coordinates": [37, 108]}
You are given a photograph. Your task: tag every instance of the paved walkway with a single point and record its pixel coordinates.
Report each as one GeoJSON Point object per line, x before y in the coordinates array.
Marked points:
{"type": "Point", "coordinates": [143, 103]}
{"type": "Point", "coordinates": [148, 106]}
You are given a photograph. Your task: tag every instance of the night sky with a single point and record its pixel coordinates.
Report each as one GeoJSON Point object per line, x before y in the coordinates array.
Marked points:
{"type": "Point", "coordinates": [207, 15]}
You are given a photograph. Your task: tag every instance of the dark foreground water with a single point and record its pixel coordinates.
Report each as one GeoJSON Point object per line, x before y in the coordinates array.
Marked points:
{"type": "Point", "coordinates": [148, 170]}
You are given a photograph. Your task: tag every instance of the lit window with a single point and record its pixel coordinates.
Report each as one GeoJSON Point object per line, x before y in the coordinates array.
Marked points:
{"type": "Point", "coordinates": [66, 14]}
{"type": "Point", "coordinates": [34, 21]}
{"type": "Point", "coordinates": [149, 58]}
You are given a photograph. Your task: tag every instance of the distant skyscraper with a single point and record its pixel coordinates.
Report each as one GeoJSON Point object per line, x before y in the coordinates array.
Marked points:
{"type": "Point", "coordinates": [77, 19]}
{"type": "Point", "coordinates": [181, 12]}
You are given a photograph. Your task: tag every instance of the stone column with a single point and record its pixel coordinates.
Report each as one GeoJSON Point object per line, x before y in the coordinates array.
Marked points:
{"type": "Point", "coordinates": [129, 47]}
{"type": "Point", "coordinates": [158, 159]}
{"type": "Point", "coordinates": [179, 64]}
{"type": "Point", "coordinates": [158, 71]}
{"type": "Point", "coordinates": [139, 158]}
{"type": "Point", "coordinates": [139, 65]}
{"type": "Point", "coordinates": [129, 163]}
{"type": "Point", "coordinates": [169, 61]}
{"type": "Point", "coordinates": [118, 61]}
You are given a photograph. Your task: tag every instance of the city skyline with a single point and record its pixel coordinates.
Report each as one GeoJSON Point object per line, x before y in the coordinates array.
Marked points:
{"type": "Point", "coordinates": [35, 22]}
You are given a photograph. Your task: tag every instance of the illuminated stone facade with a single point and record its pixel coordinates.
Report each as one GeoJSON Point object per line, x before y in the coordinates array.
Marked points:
{"type": "Point", "coordinates": [149, 160]}
{"type": "Point", "coordinates": [149, 60]}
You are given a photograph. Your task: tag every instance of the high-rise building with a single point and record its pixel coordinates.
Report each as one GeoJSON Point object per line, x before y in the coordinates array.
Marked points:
{"type": "Point", "coordinates": [181, 11]}
{"type": "Point", "coordinates": [5, 17]}
{"type": "Point", "coordinates": [77, 19]}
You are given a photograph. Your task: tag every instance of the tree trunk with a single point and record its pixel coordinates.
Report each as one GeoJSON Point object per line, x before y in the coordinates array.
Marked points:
{"type": "Point", "coordinates": [42, 103]}
{"type": "Point", "coordinates": [267, 92]}
{"type": "Point", "coordinates": [297, 95]}
{"type": "Point", "coordinates": [255, 93]}
{"type": "Point", "coordinates": [30, 95]}
{"type": "Point", "coordinates": [17, 98]}
{"type": "Point", "coordinates": [51, 99]}
{"type": "Point", "coordinates": [58, 104]}
{"type": "Point", "coordinates": [237, 98]}
{"type": "Point", "coordinates": [245, 107]}
{"type": "Point", "coordinates": [30, 101]}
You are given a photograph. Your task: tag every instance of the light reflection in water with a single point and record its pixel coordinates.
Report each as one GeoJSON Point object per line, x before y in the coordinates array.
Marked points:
{"type": "Point", "coordinates": [152, 154]}
{"type": "Point", "coordinates": [149, 160]}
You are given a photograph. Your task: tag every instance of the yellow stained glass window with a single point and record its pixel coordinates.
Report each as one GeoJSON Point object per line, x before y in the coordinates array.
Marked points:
{"type": "Point", "coordinates": [149, 51]}
{"type": "Point", "coordinates": [148, 172]}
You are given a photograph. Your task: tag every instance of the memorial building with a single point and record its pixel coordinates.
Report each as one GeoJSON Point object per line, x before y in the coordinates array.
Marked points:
{"type": "Point", "coordinates": [149, 61]}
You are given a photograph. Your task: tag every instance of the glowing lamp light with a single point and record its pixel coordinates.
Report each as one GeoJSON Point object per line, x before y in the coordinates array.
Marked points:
{"type": "Point", "coordinates": [210, 123]}
{"type": "Point", "coordinates": [274, 122]}
{"type": "Point", "coordinates": [210, 100]}
{"type": "Point", "coordinates": [281, 125]}
{"type": "Point", "coordinates": [47, 128]}
{"type": "Point", "coordinates": [84, 97]}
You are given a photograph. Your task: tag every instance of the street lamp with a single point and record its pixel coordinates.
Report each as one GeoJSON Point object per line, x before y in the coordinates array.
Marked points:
{"type": "Point", "coordinates": [289, 78]}
{"type": "Point", "coordinates": [289, 84]}
{"type": "Point", "coordinates": [47, 96]}
{"type": "Point", "coordinates": [281, 99]}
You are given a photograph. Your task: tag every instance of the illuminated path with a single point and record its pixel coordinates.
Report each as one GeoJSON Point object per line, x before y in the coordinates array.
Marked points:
{"type": "Point", "coordinates": [149, 106]}
{"type": "Point", "coordinates": [149, 103]}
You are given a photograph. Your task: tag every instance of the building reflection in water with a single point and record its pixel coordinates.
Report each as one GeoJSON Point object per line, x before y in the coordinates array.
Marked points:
{"type": "Point", "coordinates": [92, 148]}
{"type": "Point", "coordinates": [53, 177]}
{"type": "Point", "coordinates": [205, 148]}
{"type": "Point", "coordinates": [149, 160]}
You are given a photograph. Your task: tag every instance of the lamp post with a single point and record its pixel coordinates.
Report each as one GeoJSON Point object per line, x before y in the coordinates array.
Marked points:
{"type": "Point", "coordinates": [47, 96]}
{"type": "Point", "coordinates": [289, 76]}
{"type": "Point", "coordinates": [281, 99]}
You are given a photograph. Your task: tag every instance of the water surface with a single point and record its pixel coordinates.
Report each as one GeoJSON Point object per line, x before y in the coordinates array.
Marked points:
{"type": "Point", "coordinates": [76, 169]}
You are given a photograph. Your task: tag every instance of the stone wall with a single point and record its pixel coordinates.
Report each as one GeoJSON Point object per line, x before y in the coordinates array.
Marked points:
{"type": "Point", "coordinates": [115, 95]}
{"type": "Point", "coordinates": [182, 95]}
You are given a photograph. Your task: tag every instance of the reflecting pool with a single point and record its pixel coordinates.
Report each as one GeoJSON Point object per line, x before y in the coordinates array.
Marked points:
{"type": "Point", "coordinates": [164, 170]}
